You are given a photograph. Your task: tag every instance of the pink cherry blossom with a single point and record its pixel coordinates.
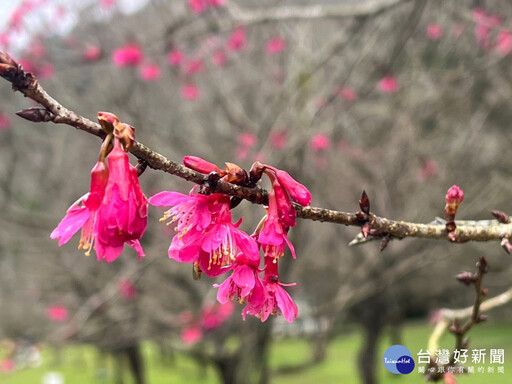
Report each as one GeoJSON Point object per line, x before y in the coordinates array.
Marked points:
{"type": "Point", "coordinates": [454, 196]}
{"type": "Point", "coordinates": [91, 53]}
{"type": "Point", "coordinates": [213, 315]}
{"type": "Point", "coordinates": [128, 55]}
{"type": "Point", "coordinates": [6, 365]}
{"type": "Point", "coordinates": [434, 31]}
{"type": "Point", "coordinates": [320, 142]}
{"type": "Point", "coordinates": [191, 335]}
{"type": "Point", "coordinates": [46, 71]}
{"type": "Point", "coordinates": [175, 57]}
{"type": "Point", "coordinates": [83, 213]}
{"type": "Point", "coordinates": [5, 122]}
{"type": "Point", "coordinates": [247, 139]}
{"type": "Point", "coordinates": [275, 300]}
{"type": "Point", "coordinates": [57, 313]}
{"type": "Point", "coordinates": [107, 4]}
{"type": "Point", "coordinates": [275, 45]}
{"type": "Point", "coordinates": [504, 44]}
{"type": "Point", "coordinates": [127, 289]}
{"type": "Point", "coordinates": [389, 84]}
{"type": "Point", "coordinates": [273, 235]}
{"type": "Point", "coordinates": [346, 93]}
{"type": "Point", "coordinates": [240, 285]}
{"type": "Point", "coordinates": [428, 170]}
{"type": "Point", "coordinates": [216, 3]}
{"type": "Point", "coordinates": [122, 216]}
{"type": "Point", "coordinates": [189, 91]}
{"type": "Point", "coordinates": [193, 67]}
{"type": "Point", "coordinates": [278, 140]}
{"type": "Point", "coordinates": [219, 58]}
{"type": "Point", "coordinates": [150, 72]}
{"type": "Point", "coordinates": [482, 35]}
{"type": "Point", "coordinates": [237, 40]}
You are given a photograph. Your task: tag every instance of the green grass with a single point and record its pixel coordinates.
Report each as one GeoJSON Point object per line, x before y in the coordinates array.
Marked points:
{"type": "Point", "coordinates": [80, 364]}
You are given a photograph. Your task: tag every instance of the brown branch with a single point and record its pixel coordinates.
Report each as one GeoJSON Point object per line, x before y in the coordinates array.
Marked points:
{"type": "Point", "coordinates": [375, 226]}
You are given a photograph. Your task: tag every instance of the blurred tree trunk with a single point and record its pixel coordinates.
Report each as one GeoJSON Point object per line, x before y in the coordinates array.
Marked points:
{"type": "Point", "coordinates": [136, 363]}
{"type": "Point", "coordinates": [372, 318]}
{"type": "Point", "coordinates": [249, 363]}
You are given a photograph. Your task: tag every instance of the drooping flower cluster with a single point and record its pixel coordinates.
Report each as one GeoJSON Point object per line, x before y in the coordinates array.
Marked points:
{"type": "Point", "coordinates": [207, 237]}
{"type": "Point", "coordinates": [114, 212]}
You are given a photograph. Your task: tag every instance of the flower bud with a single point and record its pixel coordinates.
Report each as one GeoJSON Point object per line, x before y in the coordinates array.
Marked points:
{"type": "Point", "coordinates": [201, 165]}
{"type": "Point", "coordinates": [453, 198]}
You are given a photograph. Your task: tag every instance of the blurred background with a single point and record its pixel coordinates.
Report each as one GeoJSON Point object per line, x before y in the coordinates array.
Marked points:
{"type": "Point", "coordinates": [401, 98]}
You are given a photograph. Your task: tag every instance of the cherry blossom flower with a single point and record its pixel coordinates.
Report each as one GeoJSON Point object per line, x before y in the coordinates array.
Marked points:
{"type": "Point", "coordinates": [320, 142]}
{"type": "Point", "coordinates": [247, 139]}
{"type": "Point", "coordinates": [150, 72]}
{"type": "Point", "coordinates": [278, 140]}
{"type": "Point", "coordinates": [127, 289]}
{"type": "Point", "coordinates": [213, 315]}
{"type": "Point", "coordinates": [237, 40]}
{"type": "Point", "coordinates": [198, 6]}
{"type": "Point", "coordinates": [275, 45]}
{"type": "Point", "coordinates": [274, 299]}
{"type": "Point", "coordinates": [175, 57]}
{"type": "Point", "coordinates": [504, 44]}
{"type": "Point", "coordinates": [91, 53]}
{"type": "Point", "coordinates": [191, 335]}
{"type": "Point", "coordinates": [434, 31]}
{"type": "Point", "coordinates": [122, 216]}
{"type": "Point", "coordinates": [5, 122]}
{"type": "Point", "coordinates": [193, 67]}
{"type": "Point", "coordinates": [219, 58]}
{"type": "Point", "coordinates": [388, 84]}
{"type": "Point", "coordinates": [57, 313]}
{"type": "Point", "coordinates": [189, 91]}
{"type": "Point", "coordinates": [128, 55]}
{"type": "Point", "coordinates": [107, 4]}
{"type": "Point", "coordinates": [346, 93]}
{"type": "Point", "coordinates": [83, 213]}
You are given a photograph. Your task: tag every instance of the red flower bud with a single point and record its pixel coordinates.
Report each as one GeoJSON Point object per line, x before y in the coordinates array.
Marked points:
{"type": "Point", "coordinates": [201, 165]}
{"type": "Point", "coordinates": [455, 195]}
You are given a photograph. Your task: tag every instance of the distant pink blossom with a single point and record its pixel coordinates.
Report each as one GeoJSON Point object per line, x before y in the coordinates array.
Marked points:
{"type": "Point", "coordinates": [428, 170]}
{"type": "Point", "coordinates": [193, 67]}
{"type": "Point", "coordinates": [219, 58]}
{"type": "Point", "coordinates": [347, 93]}
{"type": "Point", "coordinates": [213, 315]}
{"type": "Point", "coordinates": [5, 122]}
{"type": "Point", "coordinates": [320, 142]}
{"type": "Point", "coordinates": [150, 72]}
{"type": "Point", "coordinates": [57, 313]}
{"type": "Point", "coordinates": [434, 31]}
{"type": "Point", "coordinates": [127, 289]}
{"type": "Point", "coordinates": [275, 45]}
{"type": "Point", "coordinates": [216, 3]}
{"type": "Point", "coordinates": [37, 50]}
{"type": "Point", "coordinates": [189, 91]}
{"type": "Point", "coordinates": [175, 57]}
{"type": "Point", "coordinates": [128, 55]}
{"type": "Point", "coordinates": [237, 40]}
{"type": "Point", "coordinates": [198, 6]}
{"type": "Point", "coordinates": [28, 65]}
{"type": "Point", "coordinates": [191, 335]}
{"type": "Point", "coordinates": [388, 84]}
{"type": "Point", "coordinates": [5, 39]}
{"type": "Point", "coordinates": [91, 53]}
{"type": "Point", "coordinates": [247, 139]}
{"type": "Point", "coordinates": [278, 140]}
{"type": "Point", "coordinates": [6, 365]}
{"type": "Point", "coordinates": [482, 35]}
{"type": "Point", "coordinates": [107, 4]}
{"type": "Point", "coordinates": [504, 44]}
{"type": "Point", "coordinates": [46, 71]}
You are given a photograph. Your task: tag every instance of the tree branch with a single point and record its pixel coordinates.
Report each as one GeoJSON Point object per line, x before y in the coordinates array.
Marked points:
{"type": "Point", "coordinates": [378, 227]}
